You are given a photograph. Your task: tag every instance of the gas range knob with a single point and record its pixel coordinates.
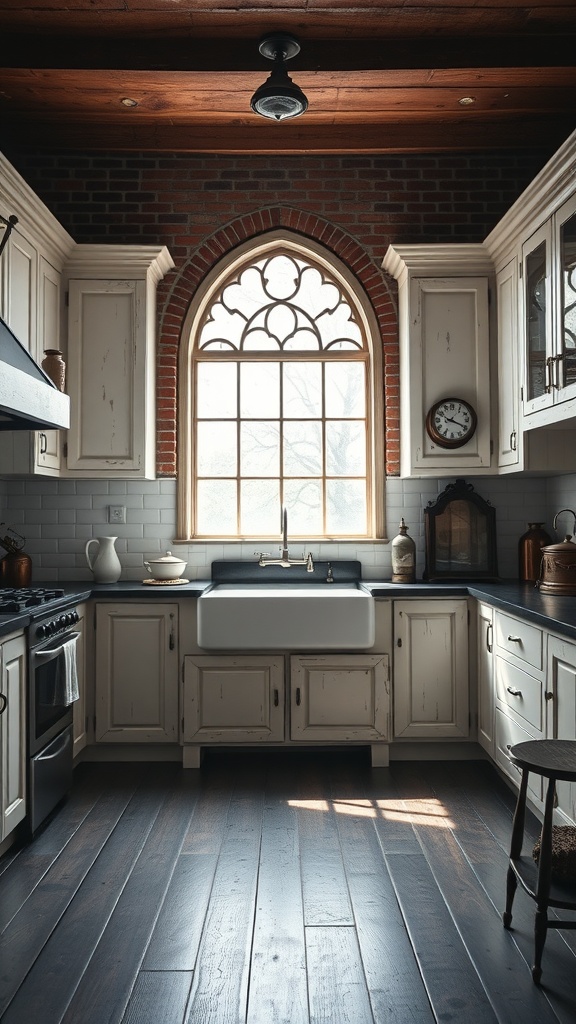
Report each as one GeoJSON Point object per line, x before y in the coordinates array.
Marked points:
{"type": "Point", "coordinates": [42, 631]}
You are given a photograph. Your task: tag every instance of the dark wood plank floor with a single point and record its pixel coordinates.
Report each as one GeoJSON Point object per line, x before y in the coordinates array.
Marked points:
{"type": "Point", "coordinates": [276, 887]}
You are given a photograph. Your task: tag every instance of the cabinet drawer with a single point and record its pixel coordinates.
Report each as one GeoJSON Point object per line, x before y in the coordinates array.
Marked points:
{"type": "Point", "coordinates": [520, 691]}
{"type": "Point", "coordinates": [520, 639]}
{"type": "Point", "coordinates": [507, 733]}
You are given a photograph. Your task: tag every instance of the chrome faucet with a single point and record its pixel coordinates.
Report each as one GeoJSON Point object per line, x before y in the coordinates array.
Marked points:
{"type": "Point", "coordinates": [285, 561]}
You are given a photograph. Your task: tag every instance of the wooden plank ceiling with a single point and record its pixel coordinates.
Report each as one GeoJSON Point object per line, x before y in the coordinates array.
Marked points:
{"type": "Point", "coordinates": [381, 76]}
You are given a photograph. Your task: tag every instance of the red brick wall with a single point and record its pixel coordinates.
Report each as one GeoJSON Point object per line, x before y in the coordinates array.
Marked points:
{"type": "Point", "coordinates": [200, 207]}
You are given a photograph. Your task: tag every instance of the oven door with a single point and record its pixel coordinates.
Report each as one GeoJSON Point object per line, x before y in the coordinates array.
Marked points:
{"type": "Point", "coordinates": [47, 718]}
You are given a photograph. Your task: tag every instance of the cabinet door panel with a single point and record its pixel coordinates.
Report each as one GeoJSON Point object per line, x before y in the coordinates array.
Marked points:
{"type": "Point", "coordinates": [485, 677]}
{"type": "Point", "coordinates": [13, 734]}
{"type": "Point", "coordinates": [561, 707]}
{"type": "Point", "coordinates": [136, 673]}
{"type": "Point", "coordinates": [106, 370]}
{"type": "Point", "coordinates": [340, 697]}
{"type": "Point", "coordinates": [431, 669]}
{"type": "Point", "coordinates": [510, 438]}
{"type": "Point", "coordinates": [233, 699]}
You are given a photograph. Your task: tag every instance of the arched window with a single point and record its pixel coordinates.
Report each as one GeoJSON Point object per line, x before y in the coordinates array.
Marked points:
{"type": "Point", "coordinates": [281, 400]}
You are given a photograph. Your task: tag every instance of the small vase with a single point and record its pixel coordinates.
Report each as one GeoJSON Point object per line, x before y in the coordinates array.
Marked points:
{"type": "Point", "coordinates": [530, 552]}
{"type": "Point", "coordinates": [55, 367]}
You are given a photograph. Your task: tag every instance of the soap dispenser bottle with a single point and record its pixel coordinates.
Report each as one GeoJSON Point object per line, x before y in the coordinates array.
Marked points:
{"type": "Point", "coordinates": [403, 552]}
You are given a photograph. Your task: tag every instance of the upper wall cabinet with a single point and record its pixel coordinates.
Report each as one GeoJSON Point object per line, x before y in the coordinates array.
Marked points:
{"type": "Point", "coordinates": [443, 294]}
{"type": "Point", "coordinates": [31, 304]}
{"type": "Point", "coordinates": [112, 359]}
{"type": "Point", "coordinates": [533, 249]}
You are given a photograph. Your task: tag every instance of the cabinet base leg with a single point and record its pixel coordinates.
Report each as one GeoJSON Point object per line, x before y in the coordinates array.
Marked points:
{"type": "Point", "coordinates": [380, 754]}
{"type": "Point", "coordinates": [191, 757]}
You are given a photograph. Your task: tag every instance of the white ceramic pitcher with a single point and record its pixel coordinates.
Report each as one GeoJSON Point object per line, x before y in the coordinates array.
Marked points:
{"type": "Point", "coordinates": [106, 565]}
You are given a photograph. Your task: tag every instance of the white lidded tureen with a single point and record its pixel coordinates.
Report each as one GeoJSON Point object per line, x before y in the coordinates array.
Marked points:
{"type": "Point", "coordinates": [168, 567]}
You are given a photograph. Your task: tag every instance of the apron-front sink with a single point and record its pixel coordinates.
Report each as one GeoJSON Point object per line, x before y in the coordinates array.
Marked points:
{"type": "Point", "coordinates": [287, 616]}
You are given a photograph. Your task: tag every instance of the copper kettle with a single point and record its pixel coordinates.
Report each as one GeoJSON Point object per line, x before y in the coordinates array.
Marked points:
{"type": "Point", "coordinates": [558, 565]}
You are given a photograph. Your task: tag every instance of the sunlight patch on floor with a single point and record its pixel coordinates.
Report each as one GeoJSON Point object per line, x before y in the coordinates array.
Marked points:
{"type": "Point", "coordinates": [411, 812]}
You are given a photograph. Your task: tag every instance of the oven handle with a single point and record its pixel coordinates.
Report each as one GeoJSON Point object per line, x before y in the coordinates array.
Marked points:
{"type": "Point", "coordinates": [47, 655]}
{"type": "Point", "coordinates": [55, 753]}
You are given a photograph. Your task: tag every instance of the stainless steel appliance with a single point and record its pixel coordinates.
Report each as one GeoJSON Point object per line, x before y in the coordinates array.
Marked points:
{"type": "Point", "coordinates": [50, 749]}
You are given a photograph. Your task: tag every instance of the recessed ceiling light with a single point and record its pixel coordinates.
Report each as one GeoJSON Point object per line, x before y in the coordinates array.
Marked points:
{"type": "Point", "coordinates": [128, 102]}
{"type": "Point", "coordinates": [467, 101]}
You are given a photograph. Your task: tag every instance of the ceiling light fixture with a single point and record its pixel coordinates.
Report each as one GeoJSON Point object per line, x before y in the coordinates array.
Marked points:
{"type": "Point", "coordinates": [279, 98]}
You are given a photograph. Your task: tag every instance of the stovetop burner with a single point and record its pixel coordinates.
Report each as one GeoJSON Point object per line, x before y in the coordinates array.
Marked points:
{"type": "Point", "coordinates": [18, 599]}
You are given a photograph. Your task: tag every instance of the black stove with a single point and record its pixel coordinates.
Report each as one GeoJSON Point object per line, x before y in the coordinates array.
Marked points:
{"type": "Point", "coordinates": [19, 599]}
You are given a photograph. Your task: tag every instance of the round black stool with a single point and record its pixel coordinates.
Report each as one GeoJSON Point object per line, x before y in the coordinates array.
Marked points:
{"type": "Point", "coordinates": [552, 759]}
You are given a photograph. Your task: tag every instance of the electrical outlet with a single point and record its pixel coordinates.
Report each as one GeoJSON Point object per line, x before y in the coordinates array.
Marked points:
{"type": "Point", "coordinates": [116, 514]}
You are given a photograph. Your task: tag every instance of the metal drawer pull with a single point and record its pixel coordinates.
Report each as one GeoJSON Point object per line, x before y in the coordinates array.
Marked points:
{"type": "Point", "coordinates": [276, 698]}
{"type": "Point", "coordinates": [515, 639]}
{"type": "Point", "coordinates": [515, 693]}
{"type": "Point", "coordinates": [298, 697]}
{"type": "Point", "coordinates": [3, 703]}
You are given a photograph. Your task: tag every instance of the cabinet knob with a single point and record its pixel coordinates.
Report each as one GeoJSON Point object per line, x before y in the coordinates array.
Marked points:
{"type": "Point", "coordinates": [549, 695]}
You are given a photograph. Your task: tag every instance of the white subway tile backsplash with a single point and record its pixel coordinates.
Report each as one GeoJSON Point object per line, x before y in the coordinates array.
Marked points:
{"type": "Point", "coordinates": [57, 517]}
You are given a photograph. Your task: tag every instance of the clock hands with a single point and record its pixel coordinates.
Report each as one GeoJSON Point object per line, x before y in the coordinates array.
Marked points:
{"type": "Point", "coordinates": [450, 419]}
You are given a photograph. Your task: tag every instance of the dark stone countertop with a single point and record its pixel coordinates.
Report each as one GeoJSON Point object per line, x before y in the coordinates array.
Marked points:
{"type": "Point", "coordinates": [557, 614]}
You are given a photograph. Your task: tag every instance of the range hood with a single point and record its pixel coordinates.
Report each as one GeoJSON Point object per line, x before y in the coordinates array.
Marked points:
{"type": "Point", "coordinates": [28, 398]}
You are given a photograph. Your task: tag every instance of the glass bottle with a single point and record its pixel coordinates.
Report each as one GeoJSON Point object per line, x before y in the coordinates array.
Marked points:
{"type": "Point", "coordinates": [403, 554]}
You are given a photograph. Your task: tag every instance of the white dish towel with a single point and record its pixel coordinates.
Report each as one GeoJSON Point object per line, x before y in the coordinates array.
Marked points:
{"type": "Point", "coordinates": [66, 682]}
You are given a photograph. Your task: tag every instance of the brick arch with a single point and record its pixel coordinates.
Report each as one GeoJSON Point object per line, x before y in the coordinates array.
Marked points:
{"type": "Point", "coordinates": [193, 272]}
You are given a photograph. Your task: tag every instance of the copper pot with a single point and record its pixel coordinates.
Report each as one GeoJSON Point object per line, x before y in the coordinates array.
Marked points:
{"type": "Point", "coordinates": [558, 566]}
{"type": "Point", "coordinates": [16, 570]}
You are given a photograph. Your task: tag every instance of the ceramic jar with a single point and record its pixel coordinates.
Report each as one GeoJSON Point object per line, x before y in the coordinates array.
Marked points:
{"type": "Point", "coordinates": [55, 367]}
{"type": "Point", "coordinates": [530, 552]}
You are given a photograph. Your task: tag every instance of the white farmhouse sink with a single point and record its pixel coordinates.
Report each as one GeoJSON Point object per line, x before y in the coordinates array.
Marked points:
{"type": "Point", "coordinates": [286, 616]}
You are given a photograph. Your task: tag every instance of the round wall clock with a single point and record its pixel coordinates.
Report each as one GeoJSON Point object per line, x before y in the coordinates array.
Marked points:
{"type": "Point", "coordinates": [451, 422]}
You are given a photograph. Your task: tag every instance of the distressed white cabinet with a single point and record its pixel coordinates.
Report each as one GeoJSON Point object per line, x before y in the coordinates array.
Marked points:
{"type": "Point", "coordinates": [519, 684]}
{"type": "Point", "coordinates": [340, 697]}
{"type": "Point", "coordinates": [112, 359]}
{"type": "Point", "coordinates": [510, 436]}
{"type": "Point", "coordinates": [80, 729]}
{"type": "Point", "coordinates": [12, 733]}
{"type": "Point", "coordinates": [549, 296]}
{"type": "Point", "coordinates": [233, 699]}
{"type": "Point", "coordinates": [485, 648]}
{"type": "Point", "coordinates": [136, 672]}
{"type": "Point", "coordinates": [31, 303]}
{"type": "Point", "coordinates": [444, 351]}
{"type": "Point", "coordinates": [560, 697]}
{"type": "Point", "coordinates": [431, 678]}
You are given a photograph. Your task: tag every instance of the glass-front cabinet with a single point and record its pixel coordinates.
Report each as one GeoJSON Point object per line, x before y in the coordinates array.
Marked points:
{"type": "Point", "coordinates": [549, 308]}
{"type": "Point", "coordinates": [566, 229]}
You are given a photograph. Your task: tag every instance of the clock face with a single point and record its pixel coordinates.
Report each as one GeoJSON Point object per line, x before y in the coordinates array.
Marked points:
{"type": "Point", "coordinates": [451, 423]}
